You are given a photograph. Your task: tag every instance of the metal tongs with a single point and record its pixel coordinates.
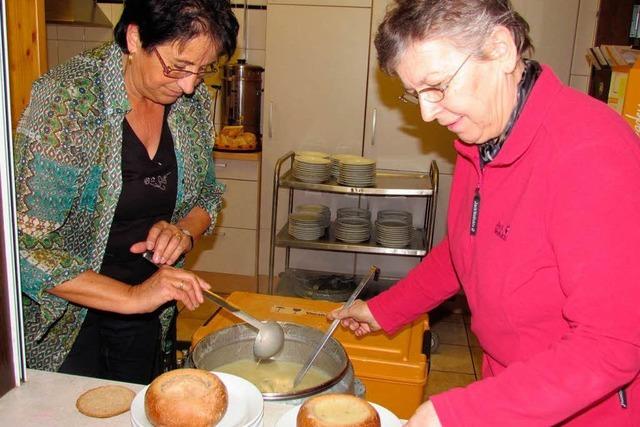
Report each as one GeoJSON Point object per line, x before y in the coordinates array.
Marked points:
{"type": "Point", "coordinates": [373, 271]}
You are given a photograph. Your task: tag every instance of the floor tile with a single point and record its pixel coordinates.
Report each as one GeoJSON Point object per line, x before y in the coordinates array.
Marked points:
{"type": "Point", "coordinates": [452, 358]}
{"type": "Point", "coordinates": [442, 314]}
{"type": "Point", "coordinates": [476, 356]}
{"type": "Point", "coordinates": [467, 319]}
{"type": "Point", "coordinates": [473, 341]}
{"type": "Point", "coordinates": [450, 332]}
{"type": "Point", "coordinates": [438, 381]}
{"type": "Point", "coordinates": [457, 304]}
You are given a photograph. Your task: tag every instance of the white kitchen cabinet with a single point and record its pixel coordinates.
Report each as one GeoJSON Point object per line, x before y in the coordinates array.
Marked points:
{"type": "Point", "coordinates": [315, 89]}
{"type": "Point", "coordinates": [397, 138]}
{"type": "Point", "coordinates": [395, 135]}
{"type": "Point", "coordinates": [228, 259]}
{"type": "Point", "coordinates": [553, 30]}
{"type": "Point", "coordinates": [339, 3]}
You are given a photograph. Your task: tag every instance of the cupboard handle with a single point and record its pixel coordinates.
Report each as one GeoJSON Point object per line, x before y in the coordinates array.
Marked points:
{"type": "Point", "coordinates": [373, 126]}
{"type": "Point", "coordinates": [270, 119]}
{"type": "Point", "coordinates": [220, 165]}
{"type": "Point", "coordinates": [219, 233]}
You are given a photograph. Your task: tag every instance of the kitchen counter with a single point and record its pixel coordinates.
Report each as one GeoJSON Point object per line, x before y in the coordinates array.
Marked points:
{"type": "Point", "coordinates": [49, 399]}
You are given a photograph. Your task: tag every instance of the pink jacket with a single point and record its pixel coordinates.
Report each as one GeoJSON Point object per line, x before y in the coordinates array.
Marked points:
{"type": "Point", "coordinates": [552, 276]}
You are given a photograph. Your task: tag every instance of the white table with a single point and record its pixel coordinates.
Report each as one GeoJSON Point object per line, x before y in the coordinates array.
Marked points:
{"type": "Point", "coordinates": [49, 399]}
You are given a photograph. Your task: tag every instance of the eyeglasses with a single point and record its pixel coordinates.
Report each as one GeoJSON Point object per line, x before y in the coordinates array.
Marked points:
{"type": "Point", "coordinates": [431, 94]}
{"type": "Point", "coordinates": [173, 73]}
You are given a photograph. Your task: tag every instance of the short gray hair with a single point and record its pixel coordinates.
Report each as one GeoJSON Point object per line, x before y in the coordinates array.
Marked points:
{"type": "Point", "coordinates": [465, 23]}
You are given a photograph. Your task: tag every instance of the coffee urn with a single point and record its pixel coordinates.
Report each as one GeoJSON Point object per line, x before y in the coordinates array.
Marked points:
{"type": "Point", "coordinates": [241, 99]}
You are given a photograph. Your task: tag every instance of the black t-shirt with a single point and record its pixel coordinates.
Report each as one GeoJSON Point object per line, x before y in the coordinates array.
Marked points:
{"type": "Point", "coordinates": [149, 189]}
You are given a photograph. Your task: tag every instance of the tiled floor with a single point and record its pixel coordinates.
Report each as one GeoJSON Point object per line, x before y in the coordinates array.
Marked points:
{"type": "Point", "coordinates": [456, 362]}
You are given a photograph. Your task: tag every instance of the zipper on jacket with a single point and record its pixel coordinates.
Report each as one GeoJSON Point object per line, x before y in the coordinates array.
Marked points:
{"type": "Point", "coordinates": [475, 212]}
{"type": "Point", "coordinates": [475, 204]}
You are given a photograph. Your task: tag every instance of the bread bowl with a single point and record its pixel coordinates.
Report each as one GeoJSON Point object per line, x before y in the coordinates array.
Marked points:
{"type": "Point", "coordinates": [337, 410]}
{"type": "Point", "coordinates": [186, 397]}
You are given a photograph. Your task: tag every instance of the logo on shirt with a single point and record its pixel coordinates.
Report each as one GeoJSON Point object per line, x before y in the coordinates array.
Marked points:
{"type": "Point", "coordinates": [159, 182]}
{"type": "Point", "coordinates": [502, 231]}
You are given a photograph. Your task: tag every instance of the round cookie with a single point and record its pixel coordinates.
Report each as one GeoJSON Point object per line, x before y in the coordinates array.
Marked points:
{"type": "Point", "coordinates": [105, 401]}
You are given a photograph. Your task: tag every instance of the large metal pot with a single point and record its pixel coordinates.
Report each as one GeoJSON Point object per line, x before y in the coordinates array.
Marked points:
{"type": "Point", "coordinates": [236, 342]}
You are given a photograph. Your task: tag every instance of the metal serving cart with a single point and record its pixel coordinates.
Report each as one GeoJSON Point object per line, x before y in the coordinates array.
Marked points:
{"type": "Point", "coordinates": [387, 183]}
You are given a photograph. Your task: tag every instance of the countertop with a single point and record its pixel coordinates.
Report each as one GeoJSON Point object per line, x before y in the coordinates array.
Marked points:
{"type": "Point", "coordinates": [49, 399]}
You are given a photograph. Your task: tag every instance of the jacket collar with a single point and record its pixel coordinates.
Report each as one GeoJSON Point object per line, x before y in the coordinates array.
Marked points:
{"type": "Point", "coordinates": [531, 118]}
{"type": "Point", "coordinates": [113, 88]}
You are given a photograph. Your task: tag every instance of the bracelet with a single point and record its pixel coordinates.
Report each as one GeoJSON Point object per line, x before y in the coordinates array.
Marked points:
{"type": "Point", "coordinates": [188, 233]}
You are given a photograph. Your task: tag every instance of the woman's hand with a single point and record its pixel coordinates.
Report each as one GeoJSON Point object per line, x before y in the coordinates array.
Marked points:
{"type": "Point", "coordinates": [168, 284]}
{"type": "Point", "coordinates": [167, 241]}
{"type": "Point", "coordinates": [358, 318]}
{"type": "Point", "coordinates": [425, 416]}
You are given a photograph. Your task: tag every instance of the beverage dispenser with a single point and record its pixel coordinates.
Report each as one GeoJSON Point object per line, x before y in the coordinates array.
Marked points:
{"type": "Point", "coordinates": [240, 108]}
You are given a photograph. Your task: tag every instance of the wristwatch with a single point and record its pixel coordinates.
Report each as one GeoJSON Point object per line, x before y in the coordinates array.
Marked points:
{"type": "Point", "coordinates": [188, 233]}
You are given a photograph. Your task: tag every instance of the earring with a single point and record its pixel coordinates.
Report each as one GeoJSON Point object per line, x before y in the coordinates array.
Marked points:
{"type": "Point", "coordinates": [130, 58]}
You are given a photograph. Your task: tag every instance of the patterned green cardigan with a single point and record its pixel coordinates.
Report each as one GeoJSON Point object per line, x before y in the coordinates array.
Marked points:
{"type": "Point", "coordinates": [68, 180]}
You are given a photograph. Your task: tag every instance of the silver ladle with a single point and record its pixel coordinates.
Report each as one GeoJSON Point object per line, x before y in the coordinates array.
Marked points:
{"type": "Point", "coordinates": [373, 271]}
{"type": "Point", "coordinates": [270, 338]}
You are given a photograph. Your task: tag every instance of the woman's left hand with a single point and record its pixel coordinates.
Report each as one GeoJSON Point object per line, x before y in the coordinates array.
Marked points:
{"type": "Point", "coordinates": [167, 242]}
{"type": "Point", "coordinates": [425, 416]}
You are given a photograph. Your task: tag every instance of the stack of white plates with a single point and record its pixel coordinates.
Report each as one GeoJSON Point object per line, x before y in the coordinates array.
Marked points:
{"type": "Point", "coordinates": [353, 212]}
{"type": "Point", "coordinates": [394, 233]}
{"type": "Point", "coordinates": [321, 210]}
{"type": "Point", "coordinates": [312, 169]}
{"type": "Point", "coordinates": [245, 406]}
{"type": "Point", "coordinates": [357, 172]}
{"type": "Point", "coordinates": [335, 162]}
{"type": "Point", "coordinates": [395, 214]}
{"type": "Point", "coordinates": [353, 229]}
{"type": "Point", "coordinates": [312, 154]}
{"type": "Point", "coordinates": [306, 225]}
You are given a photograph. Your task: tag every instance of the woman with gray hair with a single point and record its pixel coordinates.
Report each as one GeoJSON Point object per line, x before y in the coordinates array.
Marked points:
{"type": "Point", "coordinates": [542, 224]}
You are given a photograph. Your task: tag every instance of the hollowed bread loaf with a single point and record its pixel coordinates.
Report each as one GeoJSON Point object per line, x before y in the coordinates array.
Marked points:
{"type": "Point", "coordinates": [186, 397]}
{"type": "Point", "coordinates": [337, 410]}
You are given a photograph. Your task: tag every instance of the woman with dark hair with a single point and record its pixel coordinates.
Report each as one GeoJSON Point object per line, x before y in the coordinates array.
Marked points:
{"type": "Point", "coordinates": [542, 230]}
{"type": "Point", "coordinates": [113, 162]}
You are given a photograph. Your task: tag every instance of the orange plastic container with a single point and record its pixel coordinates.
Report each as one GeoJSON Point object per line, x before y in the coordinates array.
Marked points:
{"type": "Point", "coordinates": [392, 368]}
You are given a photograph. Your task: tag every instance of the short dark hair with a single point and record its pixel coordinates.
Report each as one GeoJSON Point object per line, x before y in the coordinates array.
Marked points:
{"type": "Point", "coordinates": [162, 21]}
{"type": "Point", "coordinates": [466, 23]}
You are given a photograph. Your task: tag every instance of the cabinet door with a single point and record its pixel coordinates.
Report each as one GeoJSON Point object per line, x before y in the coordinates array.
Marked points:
{"type": "Point", "coordinates": [227, 250]}
{"type": "Point", "coordinates": [27, 38]}
{"type": "Point", "coordinates": [239, 205]}
{"type": "Point", "coordinates": [395, 134]}
{"type": "Point", "coordinates": [315, 88]}
{"type": "Point", "coordinates": [315, 80]}
{"type": "Point", "coordinates": [553, 30]}
{"type": "Point", "coordinates": [341, 3]}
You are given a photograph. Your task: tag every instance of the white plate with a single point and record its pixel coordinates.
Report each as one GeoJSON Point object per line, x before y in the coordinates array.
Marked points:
{"type": "Point", "coordinates": [245, 406]}
{"type": "Point", "coordinates": [312, 160]}
{"type": "Point", "coordinates": [312, 154]}
{"type": "Point", "coordinates": [357, 161]}
{"type": "Point", "coordinates": [387, 418]}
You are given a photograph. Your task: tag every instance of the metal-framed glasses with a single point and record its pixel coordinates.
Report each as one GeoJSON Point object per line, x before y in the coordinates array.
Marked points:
{"type": "Point", "coordinates": [431, 94]}
{"type": "Point", "coordinates": [179, 73]}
